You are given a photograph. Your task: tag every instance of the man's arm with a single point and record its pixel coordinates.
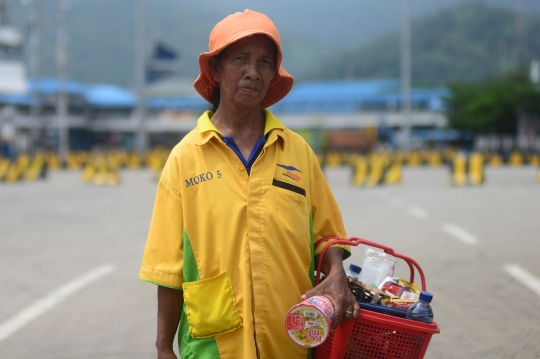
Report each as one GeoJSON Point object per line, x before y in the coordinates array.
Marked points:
{"type": "Point", "coordinates": [170, 303]}
{"type": "Point", "coordinates": [335, 286]}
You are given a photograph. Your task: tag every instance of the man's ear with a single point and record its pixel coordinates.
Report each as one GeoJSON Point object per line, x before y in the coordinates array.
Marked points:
{"type": "Point", "coordinates": [213, 63]}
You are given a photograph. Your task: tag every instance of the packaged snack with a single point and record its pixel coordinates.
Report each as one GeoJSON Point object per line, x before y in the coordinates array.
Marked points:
{"type": "Point", "coordinates": [364, 293]}
{"type": "Point", "coordinates": [413, 286]}
{"type": "Point", "coordinates": [391, 288]}
{"type": "Point", "coordinates": [409, 295]}
{"type": "Point", "coordinates": [308, 323]}
{"type": "Point", "coordinates": [385, 301]}
{"type": "Point", "coordinates": [402, 304]}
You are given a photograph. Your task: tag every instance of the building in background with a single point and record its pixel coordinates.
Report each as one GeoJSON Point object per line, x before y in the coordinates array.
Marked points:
{"type": "Point", "coordinates": [346, 115]}
{"type": "Point", "coordinates": [13, 89]}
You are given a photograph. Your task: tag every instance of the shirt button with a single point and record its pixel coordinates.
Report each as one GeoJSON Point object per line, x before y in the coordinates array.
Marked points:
{"type": "Point", "coordinates": [241, 168]}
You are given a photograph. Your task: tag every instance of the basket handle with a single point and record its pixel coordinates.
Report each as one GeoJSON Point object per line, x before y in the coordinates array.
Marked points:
{"type": "Point", "coordinates": [354, 241]}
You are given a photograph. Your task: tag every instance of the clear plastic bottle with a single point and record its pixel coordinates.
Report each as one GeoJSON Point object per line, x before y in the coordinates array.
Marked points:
{"type": "Point", "coordinates": [421, 311]}
{"type": "Point", "coordinates": [354, 271]}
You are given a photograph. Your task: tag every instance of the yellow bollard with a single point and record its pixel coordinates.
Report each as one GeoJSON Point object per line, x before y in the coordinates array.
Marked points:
{"type": "Point", "coordinates": [360, 169]}
{"type": "Point", "coordinates": [4, 168]}
{"type": "Point", "coordinates": [18, 167]}
{"type": "Point", "coordinates": [134, 161]}
{"type": "Point", "coordinates": [459, 171]}
{"type": "Point", "coordinates": [534, 160]}
{"type": "Point", "coordinates": [476, 169]}
{"type": "Point", "coordinates": [376, 171]}
{"type": "Point", "coordinates": [515, 159]}
{"type": "Point", "coordinates": [495, 160]}
{"type": "Point", "coordinates": [36, 168]}
{"type": "Point", "coordinates": [393, 173]}
{"type": "Point", "coordinates": [100, 176]}
{"type": "Point", "coordinates": [72, 161]}
{"type": "Point", "coordinates": [53, 161]}
{"type": "Point", "coordinates": [434, 159]}
{"type": "Point", "coordinates": [113, 177]}
{"type": "Point", "coordinates": [334, 159]}
{"type": "Point", "coordinates": [414, 159]}
{"type": "Point", "coordinates": [88, 173]}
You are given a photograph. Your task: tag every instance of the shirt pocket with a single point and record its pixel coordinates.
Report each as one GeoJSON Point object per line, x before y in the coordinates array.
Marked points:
{"type": "Point", "coordinates": [210, 306]}
{"type": "Point", "coordinates": [291, 191]}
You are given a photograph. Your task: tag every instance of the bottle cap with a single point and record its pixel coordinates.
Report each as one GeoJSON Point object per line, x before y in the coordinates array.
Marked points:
{"type": "Point", "coordinates": [426, 296]}
{"type": "Point", "coordinates": [354, 268]}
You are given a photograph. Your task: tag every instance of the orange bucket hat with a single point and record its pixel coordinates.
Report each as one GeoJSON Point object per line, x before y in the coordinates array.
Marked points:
{"type": "Point", "coordinates": [231, 29]}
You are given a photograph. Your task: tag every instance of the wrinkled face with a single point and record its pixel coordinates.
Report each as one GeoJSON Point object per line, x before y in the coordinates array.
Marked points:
{"type": "Point", "coordinates": [244, 71]}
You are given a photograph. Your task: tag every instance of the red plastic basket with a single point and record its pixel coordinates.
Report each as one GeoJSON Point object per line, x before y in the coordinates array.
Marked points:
{"type": "Point", "coordinates": [375, 335]}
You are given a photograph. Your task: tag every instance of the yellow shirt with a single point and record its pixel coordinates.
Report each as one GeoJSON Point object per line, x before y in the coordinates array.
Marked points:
{"type": "Point", "coordinates": [240, 246]}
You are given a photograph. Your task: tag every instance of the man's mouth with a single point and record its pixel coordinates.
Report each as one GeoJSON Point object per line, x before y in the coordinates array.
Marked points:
{"type": "Point", "coordinates": [249, 89]}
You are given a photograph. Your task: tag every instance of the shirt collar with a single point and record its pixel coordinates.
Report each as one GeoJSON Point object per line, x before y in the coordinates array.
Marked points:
{"type": "Point", "coordinates": [207, 129]}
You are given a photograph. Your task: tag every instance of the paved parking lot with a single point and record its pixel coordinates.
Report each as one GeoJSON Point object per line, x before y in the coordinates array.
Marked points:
{"type": "Point", "coordinates": [70, 254]}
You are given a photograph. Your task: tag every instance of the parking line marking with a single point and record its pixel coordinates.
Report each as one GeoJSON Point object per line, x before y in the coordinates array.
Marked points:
{"type": "Point", "coordinates": [417, 212]}
{"type": "Point", "coordinates": [460, 234]}
{"type": "Point", "coordinates": [524, 277]}
{"type": "Point", "coordinates": [41, 306]}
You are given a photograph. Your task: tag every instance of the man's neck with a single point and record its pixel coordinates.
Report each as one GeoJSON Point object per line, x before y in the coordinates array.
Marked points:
{"type": "Point", "coordinates": [239, 122]}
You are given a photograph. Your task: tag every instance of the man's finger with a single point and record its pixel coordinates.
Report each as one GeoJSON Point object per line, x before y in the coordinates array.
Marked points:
{"type": "Point", "coordinates": [356, 311]}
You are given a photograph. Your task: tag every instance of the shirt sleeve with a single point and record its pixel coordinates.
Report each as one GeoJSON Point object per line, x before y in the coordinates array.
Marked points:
{"type": "Point", "coordinates": [326, 216]}
{"type": "Point", "coordinates": [163, 260]}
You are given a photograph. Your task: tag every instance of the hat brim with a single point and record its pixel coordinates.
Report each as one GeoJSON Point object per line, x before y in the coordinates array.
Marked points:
{"type": "Point", "coordinates": [280, 86]}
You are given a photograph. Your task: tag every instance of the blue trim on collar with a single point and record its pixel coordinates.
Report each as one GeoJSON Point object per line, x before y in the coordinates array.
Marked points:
{"type": "Point", "coordinates": [255, 152]}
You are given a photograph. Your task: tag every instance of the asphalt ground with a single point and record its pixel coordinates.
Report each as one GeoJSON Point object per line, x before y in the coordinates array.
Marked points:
{"type": "Point", "coordinates": [70, 255]}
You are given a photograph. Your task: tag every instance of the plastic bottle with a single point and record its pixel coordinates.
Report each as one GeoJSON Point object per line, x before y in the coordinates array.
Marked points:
{"type": "Point", "coordinates": [421, 311]}
{"type": "Point", "coordinates": [354, 271]}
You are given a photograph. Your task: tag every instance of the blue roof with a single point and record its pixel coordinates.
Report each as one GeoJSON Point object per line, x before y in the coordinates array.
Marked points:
{"type": "Point", "coordinates": [184, 103]}
{"type": "Point", "coordinates": [108, 96]}
{"type": "Point", "coordinates": [351, 96]}
{"type": "Point", "coordinates": [23, 100]}
{"type": "Point", "coordinates": [344, 88]}
{"type": "Point", "coordinates": [49, 86]}
{"type": "Point", "coordinates": [305, 97]}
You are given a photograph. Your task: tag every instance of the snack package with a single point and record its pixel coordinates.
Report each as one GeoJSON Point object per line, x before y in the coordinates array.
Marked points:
{"type": "Point", "coordinates": [364, 293]}
{"type": "Point", "coordinates": [413, 286]}
{"type": "Point", "coordinates": [377, 266]}
{"type": "Point", "coordinates": [391, 288]}
{"type": "Point", "coordinates": [403, 304]}
{"type": "Point", "coordinates": [410, 296]}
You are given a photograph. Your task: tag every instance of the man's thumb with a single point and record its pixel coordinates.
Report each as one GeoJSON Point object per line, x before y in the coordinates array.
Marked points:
{"type": "Point", "coordinates": [310, 293]}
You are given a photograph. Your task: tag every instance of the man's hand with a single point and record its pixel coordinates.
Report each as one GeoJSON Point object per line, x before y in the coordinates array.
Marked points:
{"type": "Point", "coordinates": [335, 286]}
{"type": "Point", "coordinates": [166, 354]}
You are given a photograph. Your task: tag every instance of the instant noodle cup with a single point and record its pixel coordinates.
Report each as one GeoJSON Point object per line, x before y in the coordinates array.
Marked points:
{"type": "Point", "coordinates": [308, 323]}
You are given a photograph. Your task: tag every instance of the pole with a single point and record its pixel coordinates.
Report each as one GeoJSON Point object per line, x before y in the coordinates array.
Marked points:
{"type": "Point", "coordinates": [62, 63]}
{"type": "Point", "coordinates": [4, 19]}
{"type": "Point", "coordinates": [520, 51]}
{"type": "Point", "coordinates": [140, 74]}
{"type": "Point", "coordinates": [34, 62]}
{"type": "Point", "coordinates": [406, 73]}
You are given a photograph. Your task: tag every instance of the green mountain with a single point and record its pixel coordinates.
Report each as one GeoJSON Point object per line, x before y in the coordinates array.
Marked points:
{"type": "Point", "coordinates": [470, 42]}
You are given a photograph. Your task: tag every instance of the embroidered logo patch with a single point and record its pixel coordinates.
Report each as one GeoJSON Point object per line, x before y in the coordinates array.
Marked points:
{"type": "Point", "coordinates": [290, 172]}
{"type": "Point", "coordinates": [290, 168]}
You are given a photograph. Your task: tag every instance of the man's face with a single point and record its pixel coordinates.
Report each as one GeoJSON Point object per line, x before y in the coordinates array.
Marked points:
{"type": "Point", "coordinates": [245, 70]}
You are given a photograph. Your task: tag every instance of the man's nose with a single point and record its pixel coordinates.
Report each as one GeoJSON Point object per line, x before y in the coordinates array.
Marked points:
{"type": "Point", "coordinates": [252, 71]}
